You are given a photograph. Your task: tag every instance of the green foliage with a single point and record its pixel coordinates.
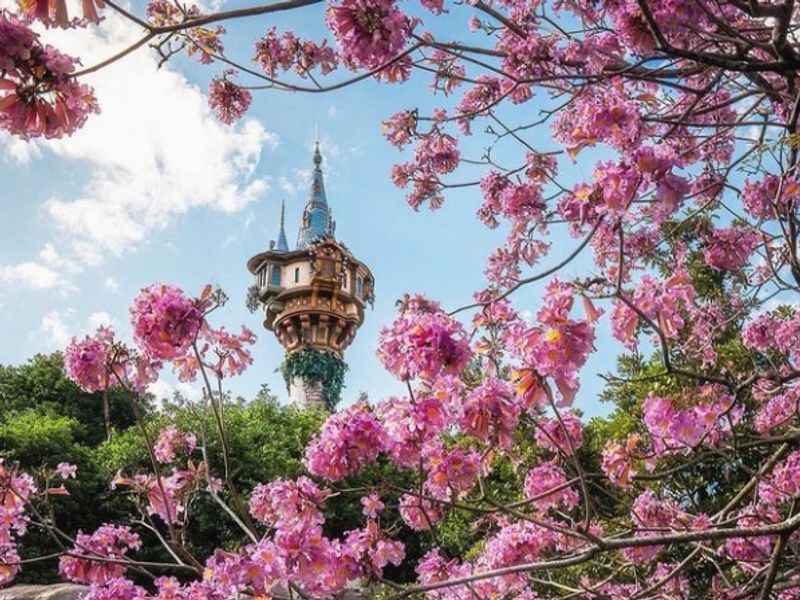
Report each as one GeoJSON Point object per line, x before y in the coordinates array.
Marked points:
{"type": "Point", "coordinates": [314, 366]}
{"type": "Point", "coordinates": [40, 383]}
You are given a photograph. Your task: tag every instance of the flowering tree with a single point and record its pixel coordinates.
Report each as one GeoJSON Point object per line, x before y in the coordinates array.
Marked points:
{"type": "Point", "coordinates": [692, 109]}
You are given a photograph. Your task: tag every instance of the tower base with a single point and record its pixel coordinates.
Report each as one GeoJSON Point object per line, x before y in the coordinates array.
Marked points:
{"type": "Point", "coordinates": [306, 394]}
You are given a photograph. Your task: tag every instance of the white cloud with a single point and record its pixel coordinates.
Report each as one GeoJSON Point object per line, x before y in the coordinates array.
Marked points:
{"type": "Point", "coordinates": [162, 389]}
{"type": "Point", "coordinates": [50, 271]}
{"type": "Point", "coordinates": [99, 319]}
{"type": "Point", "coordinates": [50, 256]}
{"type": "Point", "coordinates": [332, 112]}
{"type": "Point", "coordinates": [30, 274]}
{"type": "Point", "coordinates": [287, 186]}
{"type": "Point", "coordinates": [58, 327]}
{"type": "Point", "coordinates": [154, 153]}
{"type": "Point", "coordinates": [55, 330]}
{"type": "Point", "coordinates": [18, 151]}
{"type": "Point", "coordinates": [111, 285]}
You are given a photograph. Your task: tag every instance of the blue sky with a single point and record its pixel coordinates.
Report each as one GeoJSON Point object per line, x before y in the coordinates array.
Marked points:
{"type": "Point", "coordinates": [154, 189]}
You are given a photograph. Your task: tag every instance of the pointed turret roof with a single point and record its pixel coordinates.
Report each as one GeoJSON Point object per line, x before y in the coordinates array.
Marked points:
{"type": "Point", "coordinates": [317, 221]}
{"type": "Point", "coordinates": [282, 245]}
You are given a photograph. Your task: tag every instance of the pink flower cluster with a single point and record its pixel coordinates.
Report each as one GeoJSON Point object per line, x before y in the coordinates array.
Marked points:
{"type": "Point", "coordinates": [349, 441]}
{"type": "Point", "coordinates": [400, 128]}
{"type": "Point", "coordinates": [761, 199]}
{"type": "Point", "coordinates": [419, 513]}
{"type": "Point", "coordinates": [15, 491]}
{"type": "Point", "coordinates": [436, 154]}
{"type": "Point", "coordinates": [618, 461]}
{"type": "Point", "coordinates": [729, 249]}
{"type": "Point", "coordinates": [707, 421]}
{"type": "Point", "coordinates": [91, 362]}
{"type": "Point", "coordinates": [650, 515]}
{"type": "Point", "coordinates": [225, 354]}
{"type": "Point", "coordinates": [228, 100]}
{"type": "Point", "coordinates": [661, 301]}
{"type": "Point", "coordinates": [281, 503]}
{"type": "Point", "coordinates": [753, 552]}
{"type": "Point", "coordinates": [547, 486]}
{"type": "Point", "coordinates": [99, 362]}
{"type": "Point", "coordinates": [774, 332]}
{"type": "Point", "coordinates": [296, 552]}
{"type": "Point", "coordinates": [39, 96]}
{"type": "Point", "coordinates": [451, 473]}
{"type": "Point", "coordinates": [54, 13]}
{"type": "Point", "coordinates": [609, 117]}
{"type": "Point", "coordinates": [558, 347]}
{"type": "Point", "coordinates": [165, 321]}
{"type": "Point", "coordinates": [562, 435]}
{"type": "Point", "coordinates": [287, 51]}
{"type": "Point", "coordinates": [423, 342]}
{"type": "Point", "coordinates": [370, 32]}
{"type": "Point", "coordinates": [491, 412]}
{"type": "Point", "coordinates": [782, 485]}
{"type": "Point", "coordinates": [171, 441]}
{"type": "Point", "coordinates": [109, 542]}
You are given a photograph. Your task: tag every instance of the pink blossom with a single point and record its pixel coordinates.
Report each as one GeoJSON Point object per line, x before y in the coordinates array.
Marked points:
{"type": "Point", "coordinates": [372, 505]}
{"type": "Point", "coordinates": [171, 441]}
{"type": "Point", "coordinates": [491, 412]}
{"type": "Point", "coordinates": [420, 514]}
{"type": "Point", "coordinates": [228, 100]}
{"type": "Point", "coordinates": [38, 94]}
{"type": "Point", "coordinates": [423, 342]}
{"type": "Point", "coordinates": [349, 441]}
{"type": "Point", "coordinates": [91, 362]}
{"type": "Point", "coordinates": [564, 434]}
{"type": "Point", "coordinates": [729, 249]}
{"type": "Point", "coordinates": [165, 322]}
{"type": "Point", "coordinates": [783, 483]}
{"type": "Point", "coordinates": [400, 128]}
{"type": "Point", "coordinates": [451, 473]}
{"type": "Point", "coordinates": [618, 461]}
{"type": "Point", "coordinates": [109, 541]}
{"type": "Point", "coordinates": [707, 421]}
{"type": "Point", "coordinates": [276, 53]}
{"type": "Point", "coordinates": [224, 354]}
{"type": "Point", "coordinates": [543, 478]}
{"type": "Point", "coordinates": [53, 13]}
{"type": "Point", "coordinates": [283, 503]}
{"type": "Point", "coordinates": [99, 362]}
{"type": "Point", "coordinates": [370, 32]}
{"type": "Point", "coordinates": [66, 470]}
{"type": "Point", "coordinates": [610, 117]}
{"type": "Point", "coordinates": [558, 346]}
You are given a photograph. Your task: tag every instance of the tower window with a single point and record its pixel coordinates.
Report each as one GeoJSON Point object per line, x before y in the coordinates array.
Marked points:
{"type": "Point", "coordinates": [360, 287]}
{"type": "Point", "coordinates": [297, 275]}
{"type": "Point", "coordinates": [275, 276]}
{"type": "Point", "coordinates": [344, 281]}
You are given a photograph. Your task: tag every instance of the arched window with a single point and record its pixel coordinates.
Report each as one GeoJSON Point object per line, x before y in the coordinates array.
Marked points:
{"type": "Point", "coordinates": [360, 287]}
{"type": "Point", "coordinates": [344, 281]}
{"type": "Point", "coordinates": [297, 275]}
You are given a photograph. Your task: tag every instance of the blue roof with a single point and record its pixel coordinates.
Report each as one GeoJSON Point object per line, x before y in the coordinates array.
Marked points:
{"type": "Point", "coordinates": [317, 221]}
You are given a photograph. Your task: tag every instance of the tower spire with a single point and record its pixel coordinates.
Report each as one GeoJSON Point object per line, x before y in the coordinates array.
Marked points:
{"type": "Point", "coordinates": [317, 221]}
{"type": "Point", "coordinates": [282, 245]}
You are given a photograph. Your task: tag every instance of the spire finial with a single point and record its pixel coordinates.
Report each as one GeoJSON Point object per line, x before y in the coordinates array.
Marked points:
{"type": "Point", "coordinates": [283, 244]}
{"type": "Point", "coordinates": [317, 155]}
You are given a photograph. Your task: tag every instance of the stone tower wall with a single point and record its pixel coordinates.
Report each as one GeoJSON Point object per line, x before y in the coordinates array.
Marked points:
{"type": "Point", "coordinates": [306, 395]}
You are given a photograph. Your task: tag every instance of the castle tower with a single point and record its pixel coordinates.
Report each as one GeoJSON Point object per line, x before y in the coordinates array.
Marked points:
{"type": "Point", "coordinates": [312, 298]}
